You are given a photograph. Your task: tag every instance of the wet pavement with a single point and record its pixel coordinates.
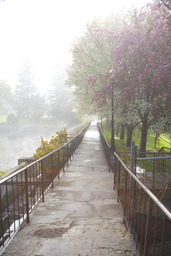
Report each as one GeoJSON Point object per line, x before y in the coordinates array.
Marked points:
{"type": "Point", "coordinates": [80, 215]}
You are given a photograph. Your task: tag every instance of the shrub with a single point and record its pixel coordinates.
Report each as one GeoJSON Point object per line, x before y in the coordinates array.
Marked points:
{"type": "Point", "coordinates": [55, 142]}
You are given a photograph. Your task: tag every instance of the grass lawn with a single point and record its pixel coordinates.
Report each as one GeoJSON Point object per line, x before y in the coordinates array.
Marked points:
{"type": "Point", "coordinates": [163, 140]}
{"type": "Point", "coordinates": [124, 151]}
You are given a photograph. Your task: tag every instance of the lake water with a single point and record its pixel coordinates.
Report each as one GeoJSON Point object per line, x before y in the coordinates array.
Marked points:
{"type": "Point", "coordinates": [22, 141]}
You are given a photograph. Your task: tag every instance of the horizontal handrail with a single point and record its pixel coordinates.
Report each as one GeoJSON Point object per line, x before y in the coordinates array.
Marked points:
{"type": "Point", "coordinates": [153, 158]}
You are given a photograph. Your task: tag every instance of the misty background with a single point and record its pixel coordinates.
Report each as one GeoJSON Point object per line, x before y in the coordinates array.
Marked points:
{"type": "Point", "coordinates": [36, 38]}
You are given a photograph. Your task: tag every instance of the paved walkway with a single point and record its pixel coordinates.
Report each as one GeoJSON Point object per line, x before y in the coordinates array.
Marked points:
{"type": "Point", "coordinates": [80, 215]}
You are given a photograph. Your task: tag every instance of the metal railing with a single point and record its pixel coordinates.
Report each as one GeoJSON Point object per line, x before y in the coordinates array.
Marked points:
{"type": "Point", "coordinates": [159, 161]}
{"type": "Point", "coordinates": [22, 190]}
{"type": "Point", "coordinates": [146, 217]}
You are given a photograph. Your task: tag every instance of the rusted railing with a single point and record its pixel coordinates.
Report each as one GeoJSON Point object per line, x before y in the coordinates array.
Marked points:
{"type": "Point", "coordinates": [22, 190]}
{"type": "Point", "coordinates": [148, 220]}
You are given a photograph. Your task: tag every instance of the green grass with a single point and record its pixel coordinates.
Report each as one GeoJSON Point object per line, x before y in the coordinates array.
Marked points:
{"type": "Point", "coordinates": [163, 140]}
{"type": "Point", "coordinates": [124, 150]}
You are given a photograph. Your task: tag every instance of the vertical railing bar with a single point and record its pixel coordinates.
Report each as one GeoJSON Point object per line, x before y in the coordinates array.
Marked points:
{"type": "Point", "coordinates": [139, 214]}
{"type": "Point", "coordinates": [125, 193]}
{"type": "Point", "coordinates": [1, 219]}
{"type": "Point", "coordinates": [67, 154]}
{"type": "Point", "coordinates": [30, 186]}
{"type": "Point", "coordinates": [34, 184]}
{"type": "Point", "coordinates": [118, 185]}
{"type": "Point", "coordinates": [37, 181]}
{"type": "Point", "coordinates": [8, 208]}
{"type": "Point", "coordinates": [154, 165]}
{"type": "Point", "coordinates": [13, 199]}
{"type": "Point", "coordinates": [163, 233]}
{"type": "Point", "coordinates": [131, 204]}
{"type": "Point", "coordinates": [147, 233]}
{"type": "Point", "coordinates": [40, 178]}
{"type": "Point", "coordinates": [22, 196]}
{"type": "Point", "coordinates": [26, 195]}
{"type": "Point", "coordinates": [42, 175]}
{"type": "Point", "coordinates": [155, 231]}
{"type": "Point", "coordinates": [70, 151]}
{"type": "Point", "coordinates": [52, 170]}
{"type": "Point", "coordinates": [142, 223]}
{"type": "Point", "coordinates": [63, 158]}
{"type": "Point", "coordinates": [115, 171]}
{"type": "Point", "coordinates": [58, 163]}
{"type": "Point", "coordinates": [135, 207]}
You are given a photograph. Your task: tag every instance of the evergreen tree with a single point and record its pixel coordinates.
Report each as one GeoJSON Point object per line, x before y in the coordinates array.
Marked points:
{"type": "Point", "coordinates": [29, 104]}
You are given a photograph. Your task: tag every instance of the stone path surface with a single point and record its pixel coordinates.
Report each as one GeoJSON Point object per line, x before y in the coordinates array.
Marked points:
{"type": "Point", "coordinates": [80, 215]}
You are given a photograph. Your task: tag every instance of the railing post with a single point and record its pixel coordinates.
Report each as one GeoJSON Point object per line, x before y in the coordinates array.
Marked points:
{"type": "Point", "coordinates": [111, 164]}
{"type": "Point", "coordinates": [52, 170]}
{"type": "Point", "coordinates": [125, 194]}
{"type": "Point", "coordinates": [163, 233]}
{"type": "Point", "coordinates": [114, 172]}
{"type": "Point", "coordinates": [27, 198]}
{"type": "Point", "coordinates": [58, 163]}
{"type": "Point", "coordinates": [67, 155]}
{"type": "Point", "coordinates": [42, 172]}
{"type": "Point", "coordinates": [147, 231]}
{"type": "Point", "coordinates": [1, 219]}
{"type": "Point", "coordinates": [118, 180]}
{"type": "Point", "coordinates": [63, 158]}
{"type": "Point", "coordinates": [131, 203]}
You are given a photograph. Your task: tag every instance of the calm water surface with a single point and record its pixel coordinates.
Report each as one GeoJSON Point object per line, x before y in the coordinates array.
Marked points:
{"type": "Point", "coordinates": [22, 141]}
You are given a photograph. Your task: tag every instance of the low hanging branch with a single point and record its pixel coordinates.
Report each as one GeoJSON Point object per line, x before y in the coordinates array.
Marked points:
{"type": "Point", "coordinates": [167, 4]}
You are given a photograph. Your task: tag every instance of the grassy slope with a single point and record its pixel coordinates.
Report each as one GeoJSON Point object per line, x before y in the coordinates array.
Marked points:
{"type": "Point", "coordinates": [122, 148]}
{"type": "Point", "coordinates": [163, 141]}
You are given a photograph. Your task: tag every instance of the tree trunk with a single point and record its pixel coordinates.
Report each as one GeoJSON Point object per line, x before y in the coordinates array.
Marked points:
{"type": "Point", "coordinates": [122, 131]}
{"type": "Point", "coordinates": [144, 130]}
{"type": "Point", "coordinates": [156, 138]}
{"type": "Point", "coordinates": [129, 129]}
{"type": "Point", "coordinates": [108, 122]}
{"type": "Point", "coordinates": [117, 130]}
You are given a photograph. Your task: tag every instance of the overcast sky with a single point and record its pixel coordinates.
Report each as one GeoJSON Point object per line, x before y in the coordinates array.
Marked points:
{"type": "Point", "coordinates": [42, 31]}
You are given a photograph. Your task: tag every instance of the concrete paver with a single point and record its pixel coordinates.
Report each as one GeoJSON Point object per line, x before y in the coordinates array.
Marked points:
{"type": "Point", "coordinates": [80, 215]}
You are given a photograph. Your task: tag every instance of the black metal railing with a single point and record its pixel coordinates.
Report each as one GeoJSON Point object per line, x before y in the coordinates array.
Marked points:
{"type": "Point", "coordinates": [158, 162]}
{"type": "Point", "coordinates": [148, 220]}
{"type": "Point", "coordinates": [107, 150]}
{"type": "Point", "coordinates": [22, 190]}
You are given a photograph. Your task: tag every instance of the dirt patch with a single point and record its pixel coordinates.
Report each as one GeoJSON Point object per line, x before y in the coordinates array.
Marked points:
{"type": "Point", "coordinates": [51, 231]}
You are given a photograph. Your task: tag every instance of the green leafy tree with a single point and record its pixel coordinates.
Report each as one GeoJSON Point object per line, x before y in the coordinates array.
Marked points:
{"type": "Point", "coordinates": [91, 56]}
{"type": "Point", "coordinates": [141, 61]}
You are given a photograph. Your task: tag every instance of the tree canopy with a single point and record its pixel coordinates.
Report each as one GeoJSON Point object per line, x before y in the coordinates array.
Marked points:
{"type": "Point", "coordinates": [132, 55]}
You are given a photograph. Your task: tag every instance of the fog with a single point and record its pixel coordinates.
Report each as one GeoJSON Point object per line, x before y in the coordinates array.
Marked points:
{"type": "Point", "coordinates": [40, 32]}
